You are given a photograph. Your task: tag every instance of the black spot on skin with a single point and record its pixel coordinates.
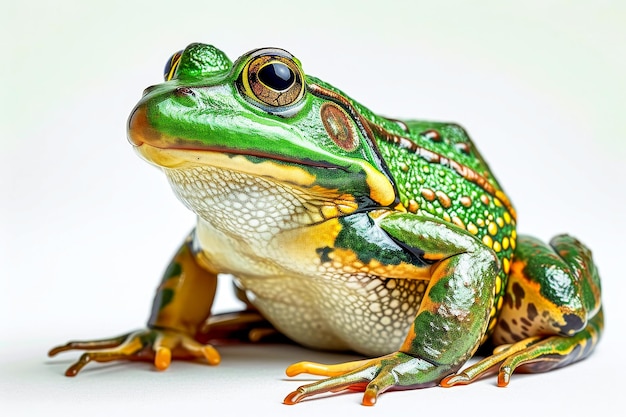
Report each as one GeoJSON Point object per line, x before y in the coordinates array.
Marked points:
{"type": "Point", "coordinates": [573, 323]}
{"type": "Point", "coordinates": [531, 311]}
{"type": "Point", "coordinates": [526, 322]}
{"type": "Point", "coordinates": [514, 321]}
{"type": "Point", "coordinates": [323, 253]}
{"type": "Point", "coordinates": [545, 314]}
{"type": "Point", "coordinates": [519, 294]}
{"type": "Point", "coordinates": [504, 325]}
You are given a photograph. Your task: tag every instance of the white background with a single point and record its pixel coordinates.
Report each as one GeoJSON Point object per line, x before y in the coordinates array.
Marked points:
{"type": "Point", "coordinates": [86, 227]}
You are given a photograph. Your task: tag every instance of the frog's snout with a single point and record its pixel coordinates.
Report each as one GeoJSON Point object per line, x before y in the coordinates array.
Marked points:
{"type": "Point", "coordinates": [139, 129]}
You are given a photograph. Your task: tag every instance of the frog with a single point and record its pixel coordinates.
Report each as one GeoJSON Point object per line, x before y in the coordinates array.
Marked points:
{"type": "Point", "coordinates": [344, 230]}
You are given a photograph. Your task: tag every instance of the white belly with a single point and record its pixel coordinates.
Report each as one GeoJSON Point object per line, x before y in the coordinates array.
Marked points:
{"type": "Point", "coordinates": [266, 234]}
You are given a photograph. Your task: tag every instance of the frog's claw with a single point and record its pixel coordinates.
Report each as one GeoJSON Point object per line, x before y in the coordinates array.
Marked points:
{"type": "Point", "coordinates": [155, 345]}
{"type": "Point", "coordinates": [533, 354]}
{"type": "Point", "coordinates": [483, 367]}
{"type": "Point", "coordinates": [372, 376]}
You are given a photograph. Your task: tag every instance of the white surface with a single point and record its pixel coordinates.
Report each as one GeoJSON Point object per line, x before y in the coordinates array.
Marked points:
{"type": "Point", "coordinates": [86, 227]}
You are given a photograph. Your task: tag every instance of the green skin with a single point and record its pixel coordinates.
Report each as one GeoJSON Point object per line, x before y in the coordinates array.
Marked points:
{"type": "Point", "coordinates": [423, 196]}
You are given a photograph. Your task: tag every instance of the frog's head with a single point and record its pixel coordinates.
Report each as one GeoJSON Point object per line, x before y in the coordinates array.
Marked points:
{"type": "Point", "coordinates": [261, 117]}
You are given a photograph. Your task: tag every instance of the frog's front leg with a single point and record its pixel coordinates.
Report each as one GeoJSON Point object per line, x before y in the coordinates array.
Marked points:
{"type": "Point", "coordinates": [552, 314]}
{"type": "Point", "coordinates": [450, 322]}
{"type": "Point", "coordinates": [181, 306]}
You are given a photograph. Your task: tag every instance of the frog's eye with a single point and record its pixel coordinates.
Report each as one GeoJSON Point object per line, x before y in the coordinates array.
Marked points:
{"type": "Point", "coordinates": [171, 65]}
{"type": "Point", "coordinates": [272, 80]}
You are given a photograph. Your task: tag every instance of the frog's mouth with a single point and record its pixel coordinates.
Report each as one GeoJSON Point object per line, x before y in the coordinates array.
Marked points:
{"type": "Point", "coordinates": [172, 153]}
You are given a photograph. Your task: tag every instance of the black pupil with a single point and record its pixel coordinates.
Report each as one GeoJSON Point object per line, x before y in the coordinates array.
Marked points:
{"type": "Point", "coordinates": [277, 76]}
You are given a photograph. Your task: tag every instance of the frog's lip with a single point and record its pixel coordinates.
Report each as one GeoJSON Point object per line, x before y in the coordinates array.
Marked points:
{"type": "Point", "coordinates": [142, 135]}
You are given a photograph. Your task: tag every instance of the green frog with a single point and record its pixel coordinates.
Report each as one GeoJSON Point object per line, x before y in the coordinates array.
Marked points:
{"type": "Point", "coordinates": [344, 230]}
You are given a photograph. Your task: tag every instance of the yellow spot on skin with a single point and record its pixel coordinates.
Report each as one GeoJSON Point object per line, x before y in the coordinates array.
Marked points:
{"type": "Point", "coordinates": [500, 222]}
{"type": "Point", "coordinates": [498, 284]}
{"type": "Point", "coordinates": [400, 207]}
{"type": "Point", "coordinates": [513, 234]}
{"type": "Point", "coordinates": [471, 227]}
{"type": "Point", "coordinates": [487, 240]}
{"type": "Point", "coordinates": [500, 301]}
{"type": "Point", "coordinates": [446, 217]}
{"type": "Point", "coordinates": [459, 222]}
{"type": "Point", "coordinates": [506, 265]}
{"type": "Point", "coordinates": [497, 202]}
{"type": "Point", "coordinates": [496, 246]}
{"type": "Point", "coordinates": [505, 243]}
{"type": "Point", "coordinates": [329, 212]}
{"type": "Point", "coordinates": [480, 222]}
{"type": "Point", "coordinates": [381, 189]}
{"type": "Point", "coordinates": [492, 229]}
{"type": "Point", "coordinates": [507, 217]}
{"type": "Point", "coordinates": [404, 167]}
{"type": "Point", "coordinates": [513, 244]}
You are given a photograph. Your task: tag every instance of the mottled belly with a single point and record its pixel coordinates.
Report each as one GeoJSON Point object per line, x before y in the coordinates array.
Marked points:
{"type": "Point", "coordinates": [357, 312]}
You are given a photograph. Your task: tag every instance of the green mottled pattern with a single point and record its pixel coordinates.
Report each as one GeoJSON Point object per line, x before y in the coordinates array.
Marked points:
{"type": "Point", "coordinates": [368, 241]}
{"type": "Point", "coordinates": [199, 60]}
{"type": "Point", "coordinates": [166, 296]}
{"type": "Point", "coordinates": [173, 270]}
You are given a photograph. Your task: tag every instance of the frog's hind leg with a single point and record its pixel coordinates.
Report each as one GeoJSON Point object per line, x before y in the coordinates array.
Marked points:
{"type": "Point", "coordinates": [247, 326]}
{"type": "Point", "coordinates": [551, 315]}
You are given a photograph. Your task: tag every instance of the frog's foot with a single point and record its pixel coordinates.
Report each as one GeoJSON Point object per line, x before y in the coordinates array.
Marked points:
{"type": "Point", "coordinates": [534, 354]}
{"type": "Point", "coordinates": [373, 376]}
{"type": "Point", "coordinates": [508, 357]}
{"type": "Point", "coordinates": [154, 345]}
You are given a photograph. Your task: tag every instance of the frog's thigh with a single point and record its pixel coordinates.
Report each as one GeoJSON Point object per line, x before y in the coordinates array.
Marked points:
{"type": "Point", "coordinates": [548, 290]}
{"type": "Point", "coordinates": [552, 313]}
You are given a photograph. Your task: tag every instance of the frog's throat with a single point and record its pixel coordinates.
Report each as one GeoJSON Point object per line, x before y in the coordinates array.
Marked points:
{"type": "Point", "coordinates": [381, 190]}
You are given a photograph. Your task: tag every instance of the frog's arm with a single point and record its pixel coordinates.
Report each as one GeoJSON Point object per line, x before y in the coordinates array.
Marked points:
{"type": "Point", "coordinates": [450, 322]}
{"type": "Point", "coordinates": [181, 306]}
{"type": "Point", "coordinates": [552, 315]}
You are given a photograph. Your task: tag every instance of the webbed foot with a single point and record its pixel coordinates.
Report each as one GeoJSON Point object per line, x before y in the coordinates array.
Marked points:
{"type": "Point", "coordinates": [534, 354]}
{"type": "Point", "coordinates": [373, 376]}
{"type": "Point", "coordinates": [153, 345]}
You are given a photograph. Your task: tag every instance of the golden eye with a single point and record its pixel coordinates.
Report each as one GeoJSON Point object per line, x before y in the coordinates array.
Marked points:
{"type": "Point", "coordinates": [272, 79]}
